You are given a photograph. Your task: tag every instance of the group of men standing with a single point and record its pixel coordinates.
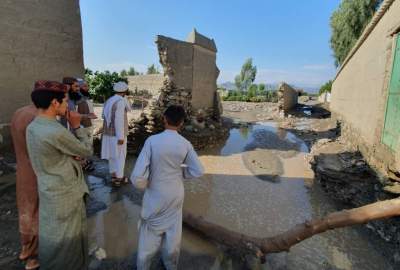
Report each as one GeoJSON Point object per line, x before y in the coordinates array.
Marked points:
{"type": "Point", "coordinates": [53, 143]}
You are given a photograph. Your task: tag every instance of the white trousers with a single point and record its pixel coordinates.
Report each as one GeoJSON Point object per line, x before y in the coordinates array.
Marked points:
{"type": "Point", "coordinates": [150, 241]}
{"type": "Point", "coordinates": [117, 164]}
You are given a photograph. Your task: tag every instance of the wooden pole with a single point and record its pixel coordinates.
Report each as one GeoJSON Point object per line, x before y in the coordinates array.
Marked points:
{"type": "Point", "coordinates": [284, 241]}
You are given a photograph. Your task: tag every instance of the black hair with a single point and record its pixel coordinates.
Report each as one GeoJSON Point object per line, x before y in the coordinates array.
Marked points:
{"type": "Point", "coordinates": [175, 115]}
{"type": "Point", "coordinates": [69, 80]}
{"type": "Point", "coordinates": [75, 96]}
{"type": "Point", "coordinates": [42, 98]}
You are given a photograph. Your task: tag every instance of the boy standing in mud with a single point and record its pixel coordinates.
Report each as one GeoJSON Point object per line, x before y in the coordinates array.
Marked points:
{"type": "Point", "coordinates": [165, 160]}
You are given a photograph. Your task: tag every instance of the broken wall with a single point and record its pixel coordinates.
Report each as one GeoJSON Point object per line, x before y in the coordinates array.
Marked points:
{"type": "Point", "coordinates": [205, 75]}
{"type": "Point", "coordinates": [287, 97]}
{"type": "Point", "coordinates": [359, 92]}
{"type": "Point", "coordinates": [151, 83]}
{"type": "Point", "coordinates": [190, 75]}
{"type": "Point", "coordinates": [39, 40]}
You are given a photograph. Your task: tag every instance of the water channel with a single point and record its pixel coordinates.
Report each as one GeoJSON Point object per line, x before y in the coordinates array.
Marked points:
{"type": "Point", "coordinates": [257, 183]}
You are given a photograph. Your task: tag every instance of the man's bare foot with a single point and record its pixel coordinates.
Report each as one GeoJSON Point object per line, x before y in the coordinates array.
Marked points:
{"type": "Point", "coordinates": [32, 264]}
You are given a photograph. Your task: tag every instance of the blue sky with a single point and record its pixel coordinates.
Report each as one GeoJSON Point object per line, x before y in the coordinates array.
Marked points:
{"type": "Point", "coordinates": [287, 39]}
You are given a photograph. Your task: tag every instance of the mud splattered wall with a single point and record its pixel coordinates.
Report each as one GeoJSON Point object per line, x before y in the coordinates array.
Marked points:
{"type": "Point", "coordinates": [38, 40]}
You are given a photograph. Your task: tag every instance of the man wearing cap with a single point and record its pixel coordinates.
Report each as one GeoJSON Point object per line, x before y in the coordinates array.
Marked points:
{"type": "Point", "coordinates": [115, 132]}
{"type": "Point", "coordinates": [53, 150]}
{"type": "Point", "coordinates": [26, 188]}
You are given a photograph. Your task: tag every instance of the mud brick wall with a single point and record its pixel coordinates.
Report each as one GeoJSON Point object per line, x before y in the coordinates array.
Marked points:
{"type": "Point", "coordinates": [287, 97]}
{"type": "Point", "coordinates": [360, 90]}
{"type": "Point", "coordinates": [205, 74]}
{"type": "Point", "coordinates": [39, 40]}
{"type": "Point", "coordinates": [151, 83]}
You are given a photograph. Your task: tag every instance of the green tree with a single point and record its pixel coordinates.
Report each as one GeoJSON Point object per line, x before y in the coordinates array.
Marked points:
{"type": "Point", "coordinates": [326, 87]}
{"type": "Point", "coordinates": [123, 73]}
{"type": "Point", "coordinates": [261, 87]}
{"type": "Point", "coordinates": [252, 91]}
{"type": "Point", "coordinates": [247, 75]}
{"type": "Point", "coordinates": [101, 84]}
{"type": "Point", "coordinates": [152, 70]}
{"type": "Point", "coordinates": [132, 71]}
{"type": "Point", "coordinates": [348, 23]}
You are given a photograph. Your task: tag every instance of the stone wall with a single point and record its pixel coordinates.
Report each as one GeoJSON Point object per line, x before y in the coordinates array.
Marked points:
{"type": "Point", "coordinates": [39, 40]}
{"type": "Point", "coordinates": [359, 92]}
{"type": "Point", "coordinates": [287, 97]}
{"type": "Point", "coordinates": [151, 83]}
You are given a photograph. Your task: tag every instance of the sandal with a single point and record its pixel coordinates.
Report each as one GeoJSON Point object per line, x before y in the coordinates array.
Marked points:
{"type": "Point", "coordinates": [115, 182]}
{"type": "Point", "coordinates": [124, 180]}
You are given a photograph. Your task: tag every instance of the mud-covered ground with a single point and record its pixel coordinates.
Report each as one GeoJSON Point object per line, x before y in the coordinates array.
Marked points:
{"type": "Point", "coordinates": [258, 182]}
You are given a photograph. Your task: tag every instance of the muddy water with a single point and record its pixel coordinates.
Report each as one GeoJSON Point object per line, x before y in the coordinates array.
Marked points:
{"type": "Point", "coordinates": [259, 184]}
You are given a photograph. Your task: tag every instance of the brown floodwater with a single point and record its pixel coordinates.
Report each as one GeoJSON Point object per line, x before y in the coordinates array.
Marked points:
{"type": "Point", "coordinates": [257, 183]}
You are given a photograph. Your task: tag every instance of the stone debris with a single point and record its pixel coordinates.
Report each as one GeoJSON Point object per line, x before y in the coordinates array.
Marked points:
{"type": "Point", "coordinates": [345, 175]}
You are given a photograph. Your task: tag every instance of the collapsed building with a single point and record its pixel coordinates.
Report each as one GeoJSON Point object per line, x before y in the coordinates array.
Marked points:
{"type": "Point", "coordinates": [189, 79]}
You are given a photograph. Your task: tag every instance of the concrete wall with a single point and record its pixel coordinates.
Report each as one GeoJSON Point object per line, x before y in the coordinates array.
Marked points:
{"type": "Point", "coordinates": [287, 97]}
{"type": "Point", "coordinates": [359, 92]}
{"type": "Point", "coordinates": [205, 75]}
{"type": "Point", "coordinates": [151, 83]}
{"type": "Point", "coordinates": [38, 40]}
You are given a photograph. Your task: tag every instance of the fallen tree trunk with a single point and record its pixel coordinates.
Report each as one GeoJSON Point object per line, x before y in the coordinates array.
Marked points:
{"type": "Point", "coordinates": [284, 241]}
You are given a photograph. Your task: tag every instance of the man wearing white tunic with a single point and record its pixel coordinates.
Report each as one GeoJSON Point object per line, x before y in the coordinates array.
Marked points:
{"type": "Point", "coordinates": [115, 132]}
{"type": "Point", "coordinates": [165, 160]}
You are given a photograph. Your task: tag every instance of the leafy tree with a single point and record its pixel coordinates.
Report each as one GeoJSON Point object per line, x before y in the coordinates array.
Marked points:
{"type": "Point", "coordinates": [326, 87]}
{"type": "Point", "coordinates": [123, 73]}
{"type": "Point", "coordinates": [132, 71]}
{"type": "Point", "coordinates": [152, 70]}
{"type": "Point", "coordinates": [247, 75]}
{"type": "Point", "coordinates": [252, 91]}
{"type": "Point", "coordinates": [101, 84]}
{"type": "Point", "coordinates": [348, 23]}
{"type": "Point", "coordinates": [261, 87]}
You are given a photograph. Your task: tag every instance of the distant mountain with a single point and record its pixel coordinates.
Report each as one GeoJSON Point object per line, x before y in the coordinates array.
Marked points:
{"type": "Point", "coordinates": [227, 85]}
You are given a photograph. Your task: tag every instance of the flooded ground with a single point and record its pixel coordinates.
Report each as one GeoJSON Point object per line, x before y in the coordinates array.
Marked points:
{"type": "Point", "coordinates": [257, 183]}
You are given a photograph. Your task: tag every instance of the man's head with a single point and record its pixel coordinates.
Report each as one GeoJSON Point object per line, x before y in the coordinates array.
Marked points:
{"type": "Point", "coordinates": [174, 116]}
{"type": "Point", "coordinates": [50, 95]}
{"type": "Point", "coordinates": [72, 82]}
{"type": "Point", "coordinates": [120, 88]}
{"type": "Point", "coordinates": [84, 88]}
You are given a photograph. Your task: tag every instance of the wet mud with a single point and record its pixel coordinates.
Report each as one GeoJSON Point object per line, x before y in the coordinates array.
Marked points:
{"type": "Point", "coordinates": [257, 183]}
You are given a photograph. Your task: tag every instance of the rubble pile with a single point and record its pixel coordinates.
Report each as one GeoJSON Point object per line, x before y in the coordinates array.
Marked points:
{"type": "Point", "coordinates": [346, 176]}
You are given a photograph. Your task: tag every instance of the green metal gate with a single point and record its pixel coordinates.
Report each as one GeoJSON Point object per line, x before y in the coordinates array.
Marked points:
{"type": "Point", "coordinates": [391, 131]}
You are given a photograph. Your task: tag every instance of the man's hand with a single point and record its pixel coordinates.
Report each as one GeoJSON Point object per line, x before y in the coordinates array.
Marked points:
{"type": "Point", "coordinates": [74, 119]}
{"type": "Point", "coordinates": [120, 142]}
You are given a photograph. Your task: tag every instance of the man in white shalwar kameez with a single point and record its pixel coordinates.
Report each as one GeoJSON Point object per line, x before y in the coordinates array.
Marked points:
{"type": "Point", "coordinates": [115, 132]}
{"type": "Point", "coordinates": [165, 160]}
